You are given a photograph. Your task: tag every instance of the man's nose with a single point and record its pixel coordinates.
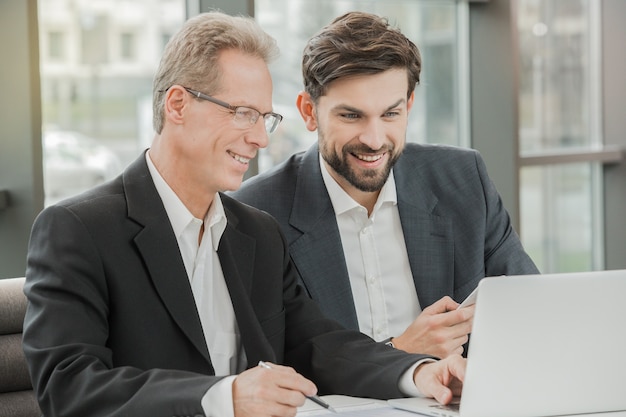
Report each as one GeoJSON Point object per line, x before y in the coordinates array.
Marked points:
{"type": "Point", "coordinates": [373, 134]}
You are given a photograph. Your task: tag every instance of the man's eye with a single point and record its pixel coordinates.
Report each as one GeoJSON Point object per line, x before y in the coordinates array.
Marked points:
{"type": "Point", "coordinates": [244, 112]}
{"type": "Point", "coordinates": [350, 115]}
{"type": "Point", "coordinates": [392, 114]}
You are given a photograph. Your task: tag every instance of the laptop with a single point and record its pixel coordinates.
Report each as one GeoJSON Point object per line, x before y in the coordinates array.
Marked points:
{"type": "Point", "coordinates": [543, 345]}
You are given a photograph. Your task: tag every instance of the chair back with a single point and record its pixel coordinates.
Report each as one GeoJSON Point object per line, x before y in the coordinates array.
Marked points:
{"type": "Point", "coordinates": [17, 398]}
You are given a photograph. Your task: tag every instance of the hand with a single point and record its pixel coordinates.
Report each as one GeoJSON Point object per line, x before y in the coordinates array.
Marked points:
{"type": "Point", "coordinates": [440, 330]}
{"type": "Point", "coordinates": [260, 392]}
{"type": "Point", "coordinates": [442, 379]}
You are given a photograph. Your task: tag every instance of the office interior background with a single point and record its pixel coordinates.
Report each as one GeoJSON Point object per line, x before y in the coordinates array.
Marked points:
{"type": "Point", "coordinates": [537, 86]}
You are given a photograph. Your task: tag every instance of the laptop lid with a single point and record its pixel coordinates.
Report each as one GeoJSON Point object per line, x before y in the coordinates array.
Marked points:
{"type": "Point", "coordinates": [547, 345]}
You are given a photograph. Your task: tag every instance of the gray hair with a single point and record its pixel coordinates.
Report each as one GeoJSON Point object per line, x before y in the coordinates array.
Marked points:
{"type": "Point", "coordinates": [190, 57]}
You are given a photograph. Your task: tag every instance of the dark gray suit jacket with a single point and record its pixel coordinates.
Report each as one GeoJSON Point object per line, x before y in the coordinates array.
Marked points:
{"type": "Point", "coordinates": [455, 227]}
{"type": "Point", "coordinates": [112, 328]}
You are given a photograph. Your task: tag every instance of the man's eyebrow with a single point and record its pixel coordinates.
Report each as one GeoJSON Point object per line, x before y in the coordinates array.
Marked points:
{"type": "Point", "coordinates": [396, 104]}
{"type": "Point", "coordinates": [348, 108]}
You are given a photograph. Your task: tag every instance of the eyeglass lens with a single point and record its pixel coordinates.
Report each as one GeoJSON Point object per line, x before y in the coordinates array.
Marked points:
{"type": "Point", "coordinates": [247, 115]}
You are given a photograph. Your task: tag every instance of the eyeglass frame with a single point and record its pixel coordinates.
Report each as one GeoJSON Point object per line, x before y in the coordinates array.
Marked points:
{"type": "Point", "coordinates": [271, 129]}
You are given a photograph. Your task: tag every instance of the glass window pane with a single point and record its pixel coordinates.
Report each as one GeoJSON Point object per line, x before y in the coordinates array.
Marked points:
{"type": "Point", "coordinates": [127, 46]}
{"type": "Point", "coordinates": [56, 46]}
{"type": "Point", "coordinates": [96, 85]}
{"type": "Point", "coordinates": [555, 84]}
{"type": "Point", "coordinates": [431, 25]}
{"type": "Point", "coordinates": [557, 206]}
{"type": "Point", "coordinates": [558, 103]}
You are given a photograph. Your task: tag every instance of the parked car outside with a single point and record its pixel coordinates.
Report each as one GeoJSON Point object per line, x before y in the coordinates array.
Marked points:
{"type": "Point", "coordinates": [74, 162]}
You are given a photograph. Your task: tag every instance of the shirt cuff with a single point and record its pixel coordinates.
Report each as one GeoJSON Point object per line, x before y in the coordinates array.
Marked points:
{"type": "Point", "coordinates": [218, 400]}
{"type": "Point", "coordinates": [407, 384]}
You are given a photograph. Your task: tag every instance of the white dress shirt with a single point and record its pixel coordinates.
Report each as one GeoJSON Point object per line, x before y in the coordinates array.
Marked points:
{"type": "Point", "coordinates": [376, 257]}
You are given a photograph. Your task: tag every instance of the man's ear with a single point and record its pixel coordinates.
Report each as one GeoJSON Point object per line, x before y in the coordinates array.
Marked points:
{"type": "Point", "coordinates": [410, 101]}
{"type": "Point", "coordinates": [306, 107]}
{"type": "Point", "coordinates": [176, 99]}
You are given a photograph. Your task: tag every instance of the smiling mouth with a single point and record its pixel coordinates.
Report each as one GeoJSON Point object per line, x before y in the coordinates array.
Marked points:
{"type": "Point", "coordinates": [368, 158]}
{"type": "Point", "coordinates": [239, 158]}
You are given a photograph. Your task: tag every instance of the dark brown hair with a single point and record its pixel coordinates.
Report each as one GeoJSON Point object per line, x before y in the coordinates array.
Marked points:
{"type": "Point", "coordinates": [357, 43]}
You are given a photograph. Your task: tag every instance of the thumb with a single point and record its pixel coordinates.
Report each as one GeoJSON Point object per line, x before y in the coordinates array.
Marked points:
{"type": "Point", "coordinates": [443, 395]}
{"type": "Point", "coordinates": [442, 305]}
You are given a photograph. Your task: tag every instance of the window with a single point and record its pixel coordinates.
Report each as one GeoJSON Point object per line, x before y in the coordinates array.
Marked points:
{"type": "Point", "coordinates": [56, 48]}
{"type": "Point", "coordinates": [165, 38]}
{"type": "Point", "coordinates": [127, 46]}
{"type": "Point", "coordinates": [440, 112]}
{"type": "Point", "coordinates": [97, 93]}
{"type": "Point", "coordinates": [94, 29]}
{"type": "Point", "coordinates": [561, 213]}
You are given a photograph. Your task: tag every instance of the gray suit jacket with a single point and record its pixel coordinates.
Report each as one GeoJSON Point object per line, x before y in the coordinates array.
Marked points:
{"type": "Point", "coordinates": [112, 328]}
{"type": "Point", "coordinates": [455, 227]}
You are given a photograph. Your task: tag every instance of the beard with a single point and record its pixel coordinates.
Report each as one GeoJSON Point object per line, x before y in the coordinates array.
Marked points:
{"type": "Point", "coordinates": [367, 180]}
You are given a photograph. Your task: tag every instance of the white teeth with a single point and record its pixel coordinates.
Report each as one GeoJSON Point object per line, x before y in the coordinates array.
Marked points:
{"type": "Point", "coordinates": [240, 158]}
{"type": "Point", "coordinates": [369, 158]}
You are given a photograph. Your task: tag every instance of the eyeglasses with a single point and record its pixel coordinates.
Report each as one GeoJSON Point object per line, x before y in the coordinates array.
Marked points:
{"type": "Point", "coordinates": [244, 117]}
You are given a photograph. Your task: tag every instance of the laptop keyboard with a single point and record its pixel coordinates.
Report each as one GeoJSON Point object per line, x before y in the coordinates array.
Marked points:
{"type": "Point", "coordinates": [453, 406]}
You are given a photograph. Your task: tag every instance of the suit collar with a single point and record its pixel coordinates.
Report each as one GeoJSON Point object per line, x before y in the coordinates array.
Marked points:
{"type": "Point", "coordinates": [318, 253]}
{"type": "Point", "coordinates": [237, 253]}
{"type": "Point", "coordinates": [158, 247]}
{"type": "Point", "coordinates": [308, 209]}
{"type": "Point", "coordinates": [428, 235]}
{"type": "Point", "coordinates": [415, 192]}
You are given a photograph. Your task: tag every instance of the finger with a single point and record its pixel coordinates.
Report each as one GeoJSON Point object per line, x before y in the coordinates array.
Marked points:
{"type": "Point", "coordinates": [452, 322]}
{"type": "Point", "coordinates": [460, 320]}
{"type": "Point", "coordinates": [278, 391]}
{"type": "Point", "coordinates": [452, 346]}
{"type": "Point", "coordinates": [452, 383]}
{"type": "Point", "coordinates": [456, 387]}
{"type": "Point", "coordinates": [459, 350]}
{"type": "Point", "coordinates": [288, 397]}
{"type": "Point", "coordinates": [460, 332]}
{"type": "Point", "coordinates": [456, 367]}
{"type": "Point", "coordinates": [443, 395]}
{"type": "Point", "coordinates": [467, 313]}
{"type": "Point", "coordinates": [262, 408]}
{"type": "Point", "coordinates": [280, 368]}
{"type": "Point", "coordinates": [288, 379]}
{"type": "Point", "coordinates": [442, 305]}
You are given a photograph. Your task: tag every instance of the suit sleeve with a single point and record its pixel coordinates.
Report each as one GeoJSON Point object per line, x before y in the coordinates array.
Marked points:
{"type": "Point", "coordinates": [504, 254]}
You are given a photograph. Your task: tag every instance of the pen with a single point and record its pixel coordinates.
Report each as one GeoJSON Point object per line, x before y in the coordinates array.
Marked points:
{"type": "Point", "coordinates": [317, 400]}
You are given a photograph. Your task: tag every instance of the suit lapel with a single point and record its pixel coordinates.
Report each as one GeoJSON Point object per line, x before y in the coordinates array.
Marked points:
{"type": "Point", "coordinates": [428, 236]}
{"type": "Point", "coordinates": [158, 247]}
{"type": "Point", "coordinates": [318, 254]}
{"type": "Point", "coordinates": [236, 253]}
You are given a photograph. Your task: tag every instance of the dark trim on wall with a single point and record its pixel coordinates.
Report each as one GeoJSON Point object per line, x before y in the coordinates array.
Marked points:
{"type": "Point", "coordinates": [21, 172]}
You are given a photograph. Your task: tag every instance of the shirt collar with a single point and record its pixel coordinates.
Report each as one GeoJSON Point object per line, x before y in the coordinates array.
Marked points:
{"type": "Point", "coordinates": [179, 214]}
{"type": "Point", "coordinates": [342, 202]}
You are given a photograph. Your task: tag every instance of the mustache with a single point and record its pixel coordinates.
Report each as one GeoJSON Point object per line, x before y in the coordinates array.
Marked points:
{"type": "Point", "coordinates": [364, 149]}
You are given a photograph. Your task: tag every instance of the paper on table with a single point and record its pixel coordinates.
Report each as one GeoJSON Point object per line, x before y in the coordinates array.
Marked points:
{"type": "Point", "coordinates": [353, 407]}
